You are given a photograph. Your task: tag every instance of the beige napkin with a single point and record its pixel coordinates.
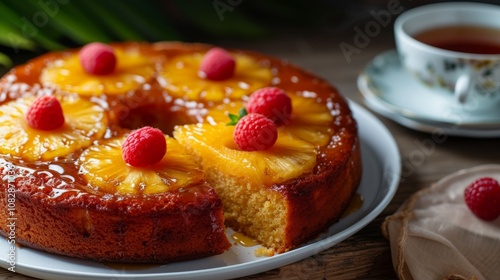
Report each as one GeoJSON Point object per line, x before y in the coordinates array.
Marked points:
{"type": "Point", "coordinates": [435, 236]}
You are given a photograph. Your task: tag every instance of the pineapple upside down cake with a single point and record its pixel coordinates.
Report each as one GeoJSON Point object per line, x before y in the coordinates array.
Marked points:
{"type": "Point", "coordinates": [138, 152]}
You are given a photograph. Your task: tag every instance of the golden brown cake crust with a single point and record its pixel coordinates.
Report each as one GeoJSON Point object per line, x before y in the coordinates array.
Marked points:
{"type": "Point", "coordinates": [70, 221]}
{"type": "Point", "coordinates": [175, 225]}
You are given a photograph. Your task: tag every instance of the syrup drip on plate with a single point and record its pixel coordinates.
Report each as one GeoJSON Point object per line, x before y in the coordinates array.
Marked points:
{"type": "Point", "coordinates": [354, 205]}
{"type": "Point", "coordinates": [243, 240]}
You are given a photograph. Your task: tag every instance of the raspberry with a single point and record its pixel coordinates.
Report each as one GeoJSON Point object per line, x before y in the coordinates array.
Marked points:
{"type": "Point", "coordinates": [217, 65]}
{"type": "Point", "coordinates": [144, 147]}
{"type": "Point", "coordinates": [98, 59]}
{"type": "Point", "coordinates": [271, 102]}
{"type": "Point", "coordinates": [45, 113]}
{"type": "Point", "coordinates": [255, 132]}
{"type": "Point", "coordinates": [483, 198]}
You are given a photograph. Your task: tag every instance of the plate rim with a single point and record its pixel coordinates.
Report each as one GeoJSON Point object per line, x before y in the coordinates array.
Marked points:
{"type": "Point", "coordinates": [432, 128]}
{"type": "Point", "coordinates": [263, 264]}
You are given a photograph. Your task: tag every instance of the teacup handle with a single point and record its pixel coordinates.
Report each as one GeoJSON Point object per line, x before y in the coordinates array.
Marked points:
{"type": "Point", "coordinates": [463, 87]}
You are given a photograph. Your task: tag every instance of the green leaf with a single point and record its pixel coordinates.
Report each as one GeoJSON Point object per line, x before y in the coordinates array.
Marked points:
{"type": "Point", "coordinates": [10, 37]}
{"type": "Point", "coordinates": [146, 20]}
{"type": "Point", "coordinates": [5, 60]}
{"type": "Point", "coordinates": [243, 112]}
{"type": "Point", "coordinates": [236, 118]}
{"type": "Point", "coordinates": [65, 20]}
{"type": "Point", "coordinates": [219, 18]}
{"type": "Point", "coordinates": [106, 18]}
{"type": "Point", "coordinates": [10, 34]}
{"type": "Point", "coordinates": [19, 15]}
{"type": "Point", "coordinates": [77, 26]}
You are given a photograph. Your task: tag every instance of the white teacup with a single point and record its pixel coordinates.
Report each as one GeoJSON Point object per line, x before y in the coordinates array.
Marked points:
{"type": "Point", "coordinates": [473, 77]}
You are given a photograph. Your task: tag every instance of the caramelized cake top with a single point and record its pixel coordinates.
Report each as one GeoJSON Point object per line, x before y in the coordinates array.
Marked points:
{"type": "Point", "coordinates": [159, 85]}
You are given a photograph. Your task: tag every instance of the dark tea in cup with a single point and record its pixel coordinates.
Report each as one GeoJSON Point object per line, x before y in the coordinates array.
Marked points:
{"type": "Point", "coordinates": [462, 38]}
{"type": "Point", "coordinates": [453, 47]}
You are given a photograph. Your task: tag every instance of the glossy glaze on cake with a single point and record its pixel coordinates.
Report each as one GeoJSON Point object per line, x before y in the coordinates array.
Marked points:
{"type": "Point", "coordinates": [59, 212]}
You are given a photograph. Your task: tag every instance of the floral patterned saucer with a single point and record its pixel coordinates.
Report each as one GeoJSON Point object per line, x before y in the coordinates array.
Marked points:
{"type": "Point", "coordinates": [394, 93]}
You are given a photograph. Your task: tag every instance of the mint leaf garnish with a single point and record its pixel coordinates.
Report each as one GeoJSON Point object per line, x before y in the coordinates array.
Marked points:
{"type": "Point", "coordinates": [235, 118]}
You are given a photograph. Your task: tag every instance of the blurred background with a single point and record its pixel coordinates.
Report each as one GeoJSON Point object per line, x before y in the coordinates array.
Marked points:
{"type": "Point", "coordinates": [31, 27]}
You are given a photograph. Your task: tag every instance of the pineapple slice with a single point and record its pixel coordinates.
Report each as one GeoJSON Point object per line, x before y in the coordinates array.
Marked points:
{"type": "Point", "coordinates": [106, 171]}
{"type": "Point", "coordinates": [132, 71]}
{"type": "Point", "coordinates": [84, 123]}
{"type": "Point", "coordinates": [287, 159]}
{"type": "Point", "coordinates": [180, 77]}
{"type": "Point", "coordinates": [310, 120]}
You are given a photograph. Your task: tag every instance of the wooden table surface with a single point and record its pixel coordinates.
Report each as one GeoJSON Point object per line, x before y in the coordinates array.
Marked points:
{"type": "Point", "coordinates": [366, 254]}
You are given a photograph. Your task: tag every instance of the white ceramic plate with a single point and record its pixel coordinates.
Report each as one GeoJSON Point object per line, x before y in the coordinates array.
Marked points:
{"type": "Point", "coordinates": [381, 174]}
{"type": "Point", "coordinates": [386, 85]}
